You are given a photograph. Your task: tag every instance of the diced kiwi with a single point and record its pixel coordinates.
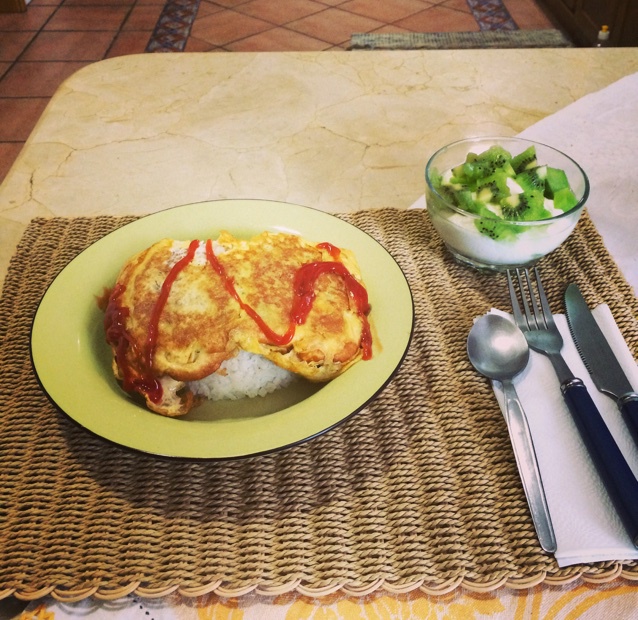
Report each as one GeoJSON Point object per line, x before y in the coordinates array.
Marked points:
{"type": "Point", "coordinates": [468, 171]}
{"type": "Point", "coordinates": [497, 187]}
{"type": "Point", "coordinates": [532, 179]}
{"type": "Point", "coordinates": [496, 229]}
{"type": "Point", "coordinates": [490, 161]}
{"type": "Point", "coordinates": [478, 167]}
{"type": "Point", "coordinates": [555, 180]}
{"type": "Point", "coordinates": [462, 183]}
{"type": "Point", "coordinates": [493, 188]}
{"type": "Point", "coordinates": [564, 199]}
{"type": "Point", "coordinates": [508, 170]}
{"type": "Point", "coordinates": [466, 201]}
{"type": "Point", "coordinates": [448, 193]}
{"type": "Point", "coordinates": [436, 178]}
{"type": "Point", "coordinates": [461, 171]}
{"type": "Point", "coordinates": [529, 205]}
{"type": "Point", "coordinates": [525, 160]}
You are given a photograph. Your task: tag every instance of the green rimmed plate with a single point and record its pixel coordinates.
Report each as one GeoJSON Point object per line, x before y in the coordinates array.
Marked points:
{"type": "Point", "coordinates": [68, 326]}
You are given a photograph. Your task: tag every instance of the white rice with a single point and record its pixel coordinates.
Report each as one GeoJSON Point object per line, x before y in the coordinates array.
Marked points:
{"type": "Point", "coordinates": [245, 375]}
{"type": "Point", "coordinates": [242, 376]}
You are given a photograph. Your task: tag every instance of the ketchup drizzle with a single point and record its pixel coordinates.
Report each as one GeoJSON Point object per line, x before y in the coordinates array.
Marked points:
{"type": "Point", "coordinates": [304, 296]}
{"type": "Point", "coordinates": [333, 250]}
{"type": "Point", "coordinates": [230, 287]}
{"type": "Point", "coordinates": [153, 326]}
{"type": "Point", "coordinates": [304, 288]}
{"type": "Point", "coordinates": [116, 335]}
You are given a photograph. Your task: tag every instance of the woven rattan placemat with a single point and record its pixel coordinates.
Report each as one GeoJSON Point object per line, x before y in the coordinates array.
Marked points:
{"type": "Point", "coordinates": [420, 489]}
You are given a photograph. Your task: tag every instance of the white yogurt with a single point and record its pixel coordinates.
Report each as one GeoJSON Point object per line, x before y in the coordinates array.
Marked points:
{"type": "Point", "coordinates": [460, 233]}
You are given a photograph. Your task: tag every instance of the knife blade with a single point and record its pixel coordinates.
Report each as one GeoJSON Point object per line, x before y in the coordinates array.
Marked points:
{"type": "Point", "coordinates": [599, 359]}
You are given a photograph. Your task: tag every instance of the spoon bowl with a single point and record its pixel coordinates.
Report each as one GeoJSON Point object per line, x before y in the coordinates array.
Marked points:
{"type": "Point", "coordinates": [498, 349]}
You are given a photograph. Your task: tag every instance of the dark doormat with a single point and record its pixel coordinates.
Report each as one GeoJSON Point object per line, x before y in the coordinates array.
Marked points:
{"type": "Point", "coordinates": [460, 40]}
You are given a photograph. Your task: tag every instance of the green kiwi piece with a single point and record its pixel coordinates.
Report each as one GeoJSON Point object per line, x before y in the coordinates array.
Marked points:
{"type": "Point", "coordinates": [462, 183]}
{"type": "Point", "coordinates": [496, 229]}
{"type": "Point", "coordinates": [488, 162]}
{"type": "Point", "coordinates": [493, 188]}
{"type": "Point", "coordinates": [466, 168]}
{"type": "Point", "coordinates": [436, 178]}
{"type": "Point", "coordinates": [525, 160]}
{"type": "Point", "coordinates": [564, 199]}
{"type": "Point", "coordinates": [466, 171]}
{"type": "Point", "coordinates": [532, 179]}
{"type": "Point", "coordinates": [555, 180]}
{"type": "Point", "coordinates": [465, 201]}
{"type": "Point", "coordinates": [508, 170]}
{"type": "Point", "coordinates": [529, 205]}
{"type": "Point", "coordinates": [447, 193]}
{"type": "Point", "coordinates": [513, 207]}
{"type": "Point", "coordinates": [477, 167]}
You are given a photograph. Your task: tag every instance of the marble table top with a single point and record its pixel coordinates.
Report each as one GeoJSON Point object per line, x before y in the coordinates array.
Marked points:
{"type": "Point", "coordinates": [338, 131]}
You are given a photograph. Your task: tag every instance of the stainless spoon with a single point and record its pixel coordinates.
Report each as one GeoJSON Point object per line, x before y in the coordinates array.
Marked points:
{"type": "Point", "coordinates": [498, 350]}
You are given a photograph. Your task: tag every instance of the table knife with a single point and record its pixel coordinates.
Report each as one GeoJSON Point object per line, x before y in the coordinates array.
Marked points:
{"type": "Point", "coordinates": [599, 359]}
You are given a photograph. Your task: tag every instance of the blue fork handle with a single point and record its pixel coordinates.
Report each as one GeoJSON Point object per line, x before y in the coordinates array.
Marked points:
{"type": "Point", "coordinates": [629, 407]}
{"type": "Point", "coordinates": [619, 480]}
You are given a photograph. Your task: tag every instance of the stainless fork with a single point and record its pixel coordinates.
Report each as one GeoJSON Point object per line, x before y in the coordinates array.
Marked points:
{"type": "Point", "coordinates": [537, 323]}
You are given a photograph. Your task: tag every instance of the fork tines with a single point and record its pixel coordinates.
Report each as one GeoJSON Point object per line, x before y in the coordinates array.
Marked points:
{"type": "Point", "coordinates": [536, 316]}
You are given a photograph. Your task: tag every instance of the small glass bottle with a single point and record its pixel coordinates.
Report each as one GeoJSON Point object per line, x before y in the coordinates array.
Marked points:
{"type": "Point", "coordinates": [603, 37]}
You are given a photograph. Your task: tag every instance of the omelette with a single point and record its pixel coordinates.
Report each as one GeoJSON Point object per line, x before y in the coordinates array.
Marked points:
{"type": "Point", "coordinates": [179, 309]}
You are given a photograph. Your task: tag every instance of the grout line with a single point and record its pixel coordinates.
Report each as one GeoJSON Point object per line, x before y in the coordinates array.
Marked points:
{"type": "Point", "coordinates": [117, 32]}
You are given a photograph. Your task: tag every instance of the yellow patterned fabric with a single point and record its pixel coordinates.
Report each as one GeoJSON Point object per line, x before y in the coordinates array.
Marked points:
{"type": "Point", "coordinates": [614, 601]}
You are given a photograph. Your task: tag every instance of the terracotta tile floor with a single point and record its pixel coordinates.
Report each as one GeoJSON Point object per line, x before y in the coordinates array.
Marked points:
{"type": "Point", "coordinates": [55, 38]}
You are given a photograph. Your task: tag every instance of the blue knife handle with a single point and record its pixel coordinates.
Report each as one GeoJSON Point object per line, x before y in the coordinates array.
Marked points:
{"type": "Point", "coordinates": [629, 407]}
{"type": "Point", "coordinates": [618, 479]}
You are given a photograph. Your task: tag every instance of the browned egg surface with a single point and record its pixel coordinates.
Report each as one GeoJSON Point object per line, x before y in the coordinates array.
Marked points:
{"type": "Point", "coordinates": [202, 323]}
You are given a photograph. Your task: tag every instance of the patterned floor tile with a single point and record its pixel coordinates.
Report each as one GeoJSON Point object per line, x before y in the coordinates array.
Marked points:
{"type": "Point", "coordinates": [176, 20]}
{"type": "Point", "coordinates": [173, 27]}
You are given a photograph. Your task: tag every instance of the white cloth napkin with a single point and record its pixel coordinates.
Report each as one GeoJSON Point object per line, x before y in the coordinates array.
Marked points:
{"type": "Point", "coordinates": [600, 131]}
{"type": "Point", "coordinates": [586, 525]}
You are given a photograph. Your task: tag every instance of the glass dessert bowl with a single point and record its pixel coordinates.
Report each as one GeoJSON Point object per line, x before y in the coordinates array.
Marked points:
{"type": "Point", "coordinates": [500, 203]}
